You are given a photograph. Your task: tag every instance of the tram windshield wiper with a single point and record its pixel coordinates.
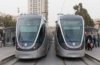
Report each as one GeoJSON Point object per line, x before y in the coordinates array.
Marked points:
{"type": "Point", "coordinates": [68, 38]}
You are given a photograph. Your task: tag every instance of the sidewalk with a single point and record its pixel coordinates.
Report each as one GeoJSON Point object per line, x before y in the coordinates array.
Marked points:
{"type": "Point", "coordinates": [0, 44]}
{"type": "Point", "coordinates": [5, 52]}
{"type": "Point", "coordinates": [94, 53]}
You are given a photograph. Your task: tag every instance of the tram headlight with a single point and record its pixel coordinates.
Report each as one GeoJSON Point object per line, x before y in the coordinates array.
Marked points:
{"type": "Point", "coordinates": [35, 46]}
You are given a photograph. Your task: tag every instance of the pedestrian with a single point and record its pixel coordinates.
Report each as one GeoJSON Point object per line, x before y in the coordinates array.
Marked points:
{"type": "Point", "coordinates": [94, 41]}
{"type": "Point", "coordinates": [2, 38]}
{"type": "Point", "coordinates": [13, 40]}
{"type": "Point", "coordinates": [0, 41]}
{"type": "Point", "coordinates": [85, 40]}
{"type": "Point", "coordinates": [89, 41]}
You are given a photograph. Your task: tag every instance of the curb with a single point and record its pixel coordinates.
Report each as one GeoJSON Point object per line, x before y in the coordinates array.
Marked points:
{"type": "Point", "coordinates": [96, 58]}
{"type": "Point", "coordinates": [7, 57]}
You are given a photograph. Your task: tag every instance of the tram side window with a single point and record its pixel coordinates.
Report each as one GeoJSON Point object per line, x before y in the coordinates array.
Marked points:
{"type": "Point", "coordinates": [41, 34]}
{"type": "Point", "coordinates": [59, 35]}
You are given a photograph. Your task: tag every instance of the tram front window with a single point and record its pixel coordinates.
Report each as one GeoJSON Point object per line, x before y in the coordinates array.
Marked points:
{"type": "Point", "coordinates": [72, 30]}
{"type": "Point", "coordinates": [27, 31]}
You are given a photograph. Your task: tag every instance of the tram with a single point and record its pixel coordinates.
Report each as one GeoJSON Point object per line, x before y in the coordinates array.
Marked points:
{"type": "Point", "coordinates": [32, 36]}
{"type": "Point", "coordinates": [69, 36]}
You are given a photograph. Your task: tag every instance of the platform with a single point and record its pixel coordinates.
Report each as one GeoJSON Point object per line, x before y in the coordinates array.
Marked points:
{"type": "Point", "coordinates": [95, 53]}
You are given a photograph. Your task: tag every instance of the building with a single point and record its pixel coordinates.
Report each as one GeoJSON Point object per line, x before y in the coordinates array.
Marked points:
{"type": "Point", "coordinates": [97, 23]}
{"type": "Point", "coordinates": [14, 17]}
{"type": "Point", "coordinates": [2, 14]}
{"type": "Point", "coordinates": [38, 7]}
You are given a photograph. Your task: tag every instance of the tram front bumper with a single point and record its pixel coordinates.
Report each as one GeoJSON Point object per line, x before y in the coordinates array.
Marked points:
{"type": "Point", "coordinates": [71, 54]}
{"type": "Point", "coordinates": [28, 54]}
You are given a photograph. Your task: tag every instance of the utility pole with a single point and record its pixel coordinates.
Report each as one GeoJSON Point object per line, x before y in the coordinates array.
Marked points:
{"type": "Point", "coordinates": [18, 10]}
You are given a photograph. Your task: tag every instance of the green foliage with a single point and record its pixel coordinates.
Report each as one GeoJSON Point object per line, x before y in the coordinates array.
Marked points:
{"type": "Point", "coordinates": [8, 21]}
{"type": "Point", "coordinates": [84, 13]}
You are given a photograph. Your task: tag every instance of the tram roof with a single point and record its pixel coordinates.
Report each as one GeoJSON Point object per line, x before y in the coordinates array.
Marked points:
{"type": "Point", "coordinates": [71, 17]}
{"type": "Point", "coordinates": [30, 16]}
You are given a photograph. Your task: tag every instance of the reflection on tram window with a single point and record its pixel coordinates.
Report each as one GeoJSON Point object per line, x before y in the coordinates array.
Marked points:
{"type": "Point", "coordinates": [28, 33]}
{"type": "Point", "coordinates": [69, 22]}
{"type": "Point", "coordinates": [30, 28]}
{"type": "Point", "coordinates": [29, 21]}
{"type": "Point", "coordinates": [27, 37]}
{"type": "Point", "coordinates": [70, 27]}
{"type": "Point", "coordinates": [72, 30]}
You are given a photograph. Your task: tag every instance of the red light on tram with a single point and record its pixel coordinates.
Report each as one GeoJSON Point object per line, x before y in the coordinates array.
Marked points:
{"type": "Point", "coordinates": [57, 48]}
{"type": "Point", "coordinates": [43, 48]}
{"type": "Point", "coordinates": [80, 48]}
{"type": "Point", "coordinates": [67, 48]}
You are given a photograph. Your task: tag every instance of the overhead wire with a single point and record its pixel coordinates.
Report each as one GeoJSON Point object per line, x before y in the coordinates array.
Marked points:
{"type": "Point", "coordinates": [62, 6]}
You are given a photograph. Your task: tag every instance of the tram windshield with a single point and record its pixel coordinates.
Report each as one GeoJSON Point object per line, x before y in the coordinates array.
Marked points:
{"type": "Point", "coordinates": [72, 30]}
{"type": "Point", "coordinates": [27, 30]}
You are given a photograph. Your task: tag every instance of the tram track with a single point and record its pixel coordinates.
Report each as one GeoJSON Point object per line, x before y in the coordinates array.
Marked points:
{"type": "Point", "coordinates": [80, 61]}
{"type": "Point", "coordinates": [66, 61]}
{"type": "Point", "coordinates": [84, 61]}
{"type": "Point", "coordinates": [10, 61]}
{"type": "Point", "coordinates": [52, 59]}
{"type": "Point", "coordinates": [36, 62]}
{"type": "Point", "coordinates": [27, 62]}
{"type": "Point", "coordinates": [16, 61]}
{"type": "Point", "coordinates": [75, 61]}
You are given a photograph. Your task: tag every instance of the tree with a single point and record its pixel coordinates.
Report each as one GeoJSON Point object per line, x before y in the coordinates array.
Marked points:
{"type": "Point", "coordinates": [8, 21]}
{"type": "Point", "coordinates": [84, 13]}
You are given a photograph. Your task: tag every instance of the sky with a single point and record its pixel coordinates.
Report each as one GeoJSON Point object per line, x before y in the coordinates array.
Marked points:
{"type": "Point", "coordinates": [54, 7]}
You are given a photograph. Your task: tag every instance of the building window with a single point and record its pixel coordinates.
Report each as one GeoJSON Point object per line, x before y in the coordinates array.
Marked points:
{"type": "Point", "coordinates": [38, 12]}
{"type": "Point", "coordinates": [30, 5]}
{"type": "Point", "coordinates": [30, 9]}
{"type": "Point", "coordinates": [35, 1]}
{"type": "Point", "coordinates": [30, 12]}
{"type": "Point", "coordinates": [30, 1]}
{"type": "Point", "coordinates": [39, 4]}
{"type": "Point", "coordinates": [39, 9]}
